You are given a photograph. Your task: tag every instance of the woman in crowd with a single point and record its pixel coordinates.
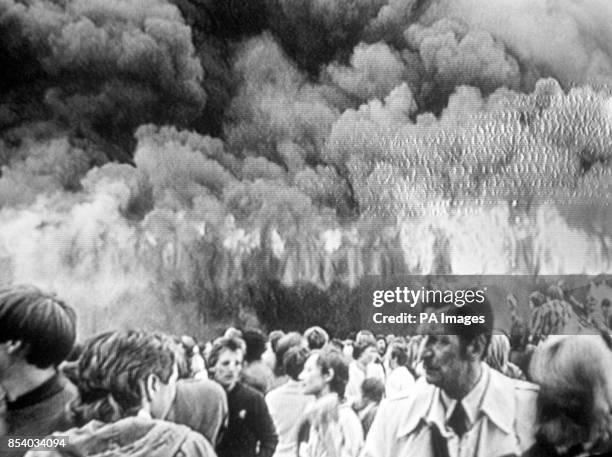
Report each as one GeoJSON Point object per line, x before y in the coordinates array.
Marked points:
{"type": "Point", "coordinates": [334, 430]}
{"type": "Point", "coordinates": [575, 401]}
{"type": "Point", "coordinates": [125, 381]}
{"type": "Point", "coordinates": [498, 357]}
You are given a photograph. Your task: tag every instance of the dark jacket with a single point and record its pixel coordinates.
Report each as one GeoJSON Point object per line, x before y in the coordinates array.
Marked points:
{"type": "Point", "coordinates": [250, 430]}
{"type": "Point", "coordinates": [40, 412]}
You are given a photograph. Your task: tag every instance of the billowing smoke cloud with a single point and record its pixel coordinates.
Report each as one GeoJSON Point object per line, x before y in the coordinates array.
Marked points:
{"type": "Point", "coordinates": [454, 55]}
{"type": "Point", "coordinates": [568, 39]}
{"type": "Point", "coordinates": [285, 144]}
{"type": "Point", "coordinates": [99, 68]}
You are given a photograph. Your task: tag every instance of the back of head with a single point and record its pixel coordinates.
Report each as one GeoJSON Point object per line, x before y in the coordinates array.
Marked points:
{"type": "Point", "coordinates": [44, 324]}
{"type": "Point", "coordinates": [575, 377]}
{"type": "Point", "coordinates": [294, 360]}
{"type": "Point", "coordinates": [274, 337]}
{"type": "Point", "coordinates": [284, 344]}
{"type": "Point", "coordinates": [360, 346]}
{"type": "Point", "coordinates": [329, 358]}
{"type": "Point", "coordinates": [255, 342]}
{"type": "Point", "coordinates": [111, 369]}
{"type": "Point", "coordinates": [316, 338]}
{"type": "Point", "coordinates": [397, 351]}
{"type": "Point", "coordinates": [372, 389]}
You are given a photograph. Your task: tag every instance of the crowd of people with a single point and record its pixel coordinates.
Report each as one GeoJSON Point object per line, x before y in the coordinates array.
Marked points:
{"type": "Point", "coordinates": [450, 391]}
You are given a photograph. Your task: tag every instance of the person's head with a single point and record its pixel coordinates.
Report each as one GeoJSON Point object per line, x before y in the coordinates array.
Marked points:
{"type": "Point", "coordinates": [274, 337]}
{"type": "Point", "coordinates": [316, 338]}
{"type": "Point", "coordinates": [37, 329]}
{"type": "Point", "coordinates": [225, 361]}
{"type": "Point", "coordinates": [372, 390]}
{"type": "Point", "coordinates": [591, 304]}
{"type": "Point", "coordinates": [575, 377]}
{"type": "Point", "coordinates": [195, 360]}
{"type": "Point", "coordinates": [120, 373]}
{"type": "Point", "coordinates": [452, 351]}
{"type": "Point", "coordinates": [294, 360]}
{"type": "Point", "coordinates": [381, 344]}
{"type": "Point", "coordinates": [536, 299]}
{"type": "Point", "coordinates": [365, 351]}
{"type": "Point", "coordinates": [348, 349]}
{"type": "Point", "coordinates": [255, 342]}
{"type": "Point", "coordinates": [498, 353]}
{"type": "Point", "coordinates": [398, 357]}
{"type": "Point", "coordinates": [325, 371]}
{"type": "Point", "coordinates": [364, 335]}
{"type": "Point", "coordinates": [555, 292]}
{"type": "Point", "coordinates": [284, 344]}
{"type": "Point", "coordinates": [606, 307]}
{"type": "Point", "coordinates": [232, 332]}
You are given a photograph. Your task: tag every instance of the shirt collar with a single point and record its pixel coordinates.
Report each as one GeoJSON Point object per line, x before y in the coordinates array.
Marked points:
{"type": "Point", "coordinates": [497, 402]}
{"type": "Point", "coordinates": [471, 402]}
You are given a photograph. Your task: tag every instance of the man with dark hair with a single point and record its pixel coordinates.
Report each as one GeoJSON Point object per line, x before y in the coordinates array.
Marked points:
{"type": "Point", "coordinates": [288, 402]}
{"type": "Point", "coordinates": [250, 431]}
{"type": "Point", "coordinates": [255, 372]}
{"type": "Point", "coordinates": [462, 407]}
{"type": "Point", "coordinates": [282, 346]}
{"type": "Point", "coordinates": [37, 333]}
{"type": "Point", "coordinates": [316, 338]}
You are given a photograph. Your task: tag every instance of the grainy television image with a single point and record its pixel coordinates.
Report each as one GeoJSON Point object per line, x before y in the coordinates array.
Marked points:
{"type": "Point", "coordinates": [305, 228]}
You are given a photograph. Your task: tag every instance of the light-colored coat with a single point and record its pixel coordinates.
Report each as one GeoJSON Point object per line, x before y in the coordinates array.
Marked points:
{"type": "Point", "coordinates": [505, 425]}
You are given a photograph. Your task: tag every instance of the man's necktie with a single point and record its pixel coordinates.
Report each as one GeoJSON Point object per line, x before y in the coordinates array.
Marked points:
{"type": "Point", "coordinates": [458, 420]}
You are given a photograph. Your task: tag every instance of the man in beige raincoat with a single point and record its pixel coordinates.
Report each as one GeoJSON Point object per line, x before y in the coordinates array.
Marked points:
{"type": "Point", "coordinates": [462, 408]}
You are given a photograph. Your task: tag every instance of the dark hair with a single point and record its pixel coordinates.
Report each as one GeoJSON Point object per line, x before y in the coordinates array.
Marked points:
{"type": "Point", "coordinates": [373, 389]}
{"type": "Point", "coordinates": [468, 333]}
{"type": "Point", "coordinates": [44, 324]}
{"type": "Point", "coordinates": [330, 358]}
{"type": "Point", "coordinates": [360, 346]}
{"type": "Point", "coordinates": [222, 344]}
{"type": "Point", "coordinates": [284, 344]}
{"type": "Point", "coordinates": [316, 338]}
{"type": "Point", "coordinates": [294, 360]}
{"type": "Point", "coordinates": [255, 342]}
{"type": "Point", "coordinates": [274, 337]}
{"type": "Point", "coordinates": [111, 369]}
{"type": "Point", "coordinates": [399, 353]}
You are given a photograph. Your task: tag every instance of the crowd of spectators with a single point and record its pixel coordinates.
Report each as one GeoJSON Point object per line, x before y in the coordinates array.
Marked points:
{"type": "Point", "coordinates": [452, 390]}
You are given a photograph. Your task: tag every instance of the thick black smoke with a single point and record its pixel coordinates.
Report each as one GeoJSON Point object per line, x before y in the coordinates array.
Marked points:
{"type": "Point", "coordinates": [277, 143]}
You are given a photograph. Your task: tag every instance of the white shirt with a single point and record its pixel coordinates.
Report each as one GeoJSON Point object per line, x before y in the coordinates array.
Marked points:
{"type": "Point", "coordinates": [399, 382]}
{"type": "Point", "coordinates": [471, 402]}
{"type": "Point", "coordinates": [286, 405]}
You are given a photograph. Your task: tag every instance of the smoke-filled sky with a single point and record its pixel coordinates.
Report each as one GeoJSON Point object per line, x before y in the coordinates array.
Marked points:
{"type": "Point", "coordinates": [151, 143]}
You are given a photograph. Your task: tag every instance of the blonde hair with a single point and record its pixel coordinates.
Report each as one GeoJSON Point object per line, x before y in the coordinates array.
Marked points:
{"type": "Point", "coordinates": [575, 377]}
